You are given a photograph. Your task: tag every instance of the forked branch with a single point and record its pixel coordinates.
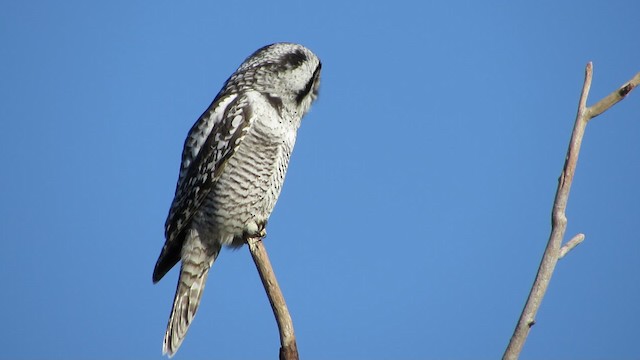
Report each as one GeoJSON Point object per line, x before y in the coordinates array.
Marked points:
{"type": "Point", "coordinates": [554, 250]}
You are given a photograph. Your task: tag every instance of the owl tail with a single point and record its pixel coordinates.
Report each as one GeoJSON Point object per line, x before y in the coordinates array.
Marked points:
{"type": "Point", "coordinates": [196, 262]}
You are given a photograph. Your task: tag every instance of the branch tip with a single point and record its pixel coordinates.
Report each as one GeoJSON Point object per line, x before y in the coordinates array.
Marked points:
{"type": "Point", "coordinates": [613, 98]}
{"type": "Point", "coordinates": [575, 241]}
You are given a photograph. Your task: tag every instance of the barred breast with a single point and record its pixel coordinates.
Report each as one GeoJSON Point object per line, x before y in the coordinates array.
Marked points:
{"type": "Point", "coordinates": [246, 192]}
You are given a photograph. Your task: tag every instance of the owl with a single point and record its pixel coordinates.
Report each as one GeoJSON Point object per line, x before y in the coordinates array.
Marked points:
{"type": "Point", "coordinates": [233, 167]}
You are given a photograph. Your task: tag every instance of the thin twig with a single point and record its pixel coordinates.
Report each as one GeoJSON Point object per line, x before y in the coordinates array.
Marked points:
{"type": "Point", "coordinates": [575, 241]}
{"type": "Point", "coordinates": [288, 347]}
{"type": "Point", "coordinates": [613, 98]}
{"type": "Point", "coordinates": [553, 251]}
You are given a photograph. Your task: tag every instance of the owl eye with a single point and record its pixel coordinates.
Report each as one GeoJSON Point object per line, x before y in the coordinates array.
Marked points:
{"type": "Point", "coordinates": [294, 59]}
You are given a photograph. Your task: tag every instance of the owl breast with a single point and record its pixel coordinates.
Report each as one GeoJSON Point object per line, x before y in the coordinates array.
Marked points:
{"type": "Point", "coordinates": [248, 188]}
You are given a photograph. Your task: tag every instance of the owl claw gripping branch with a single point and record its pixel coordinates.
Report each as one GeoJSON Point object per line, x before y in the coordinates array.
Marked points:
{"type": "Point", "coordinates": [233, 166]}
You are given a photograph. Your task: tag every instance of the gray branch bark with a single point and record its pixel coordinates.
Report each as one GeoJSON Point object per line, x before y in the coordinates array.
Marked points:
{"type": "Point", "coordinates": [288, 347]}
{"type": "Point", "coordinates": [554, 250]}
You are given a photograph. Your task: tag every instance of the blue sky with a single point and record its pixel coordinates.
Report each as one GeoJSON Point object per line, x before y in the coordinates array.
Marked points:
{"type": "Point", "coordinates": [417, 203]}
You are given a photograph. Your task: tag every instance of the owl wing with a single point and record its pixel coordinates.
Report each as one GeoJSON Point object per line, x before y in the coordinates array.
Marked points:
{"type": "Point", "coordinates": [212, 140]}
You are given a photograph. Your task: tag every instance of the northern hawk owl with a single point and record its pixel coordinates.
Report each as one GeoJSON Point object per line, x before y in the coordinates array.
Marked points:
{"type": "Point", "coordinates": [233, 166]}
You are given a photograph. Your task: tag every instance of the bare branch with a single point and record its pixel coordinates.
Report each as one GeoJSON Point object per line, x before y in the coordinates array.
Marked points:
{"type": "Point", "coordinates": [288, 347]}
{"type": "Point", "coordinates": [613, 98]}
{"type": "Point", "coordinates": [553, 251]}
{"type": "Point", "coordinates": [575, 241]}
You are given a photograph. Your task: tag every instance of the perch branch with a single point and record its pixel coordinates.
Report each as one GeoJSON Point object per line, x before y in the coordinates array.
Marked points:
{"type": "Point", "coordinates": [553, 251]}
{"type": "Point", "coordinates": [288, 347]}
